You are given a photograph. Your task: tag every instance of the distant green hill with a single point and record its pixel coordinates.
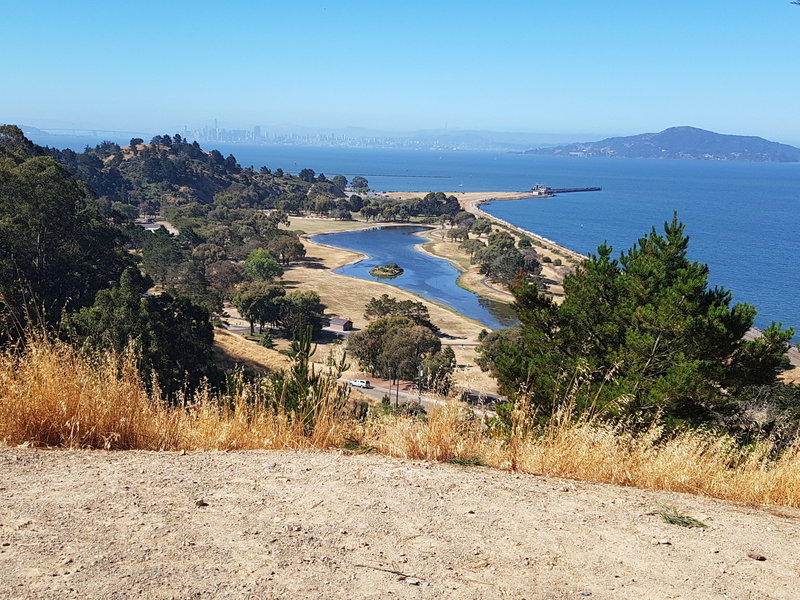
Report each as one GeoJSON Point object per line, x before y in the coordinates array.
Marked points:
{"type": "Point", "coordinates": [682, 143]}
{"type": "Point", "coordinates": [171, 171]}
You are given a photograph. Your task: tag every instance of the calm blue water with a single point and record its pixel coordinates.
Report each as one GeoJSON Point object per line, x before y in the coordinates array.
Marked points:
{"type": "Point", "coordinates": [424, 275]}
{"type": "Point", "coordinates": [743, 218]}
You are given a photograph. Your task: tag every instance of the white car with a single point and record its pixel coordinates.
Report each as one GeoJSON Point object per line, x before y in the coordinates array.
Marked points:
{"type": "Point", "coordinates": [361, 383]}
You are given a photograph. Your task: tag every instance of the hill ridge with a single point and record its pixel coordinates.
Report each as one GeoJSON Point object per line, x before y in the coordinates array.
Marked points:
{"type": "Point", "coordinates": [681, 142]}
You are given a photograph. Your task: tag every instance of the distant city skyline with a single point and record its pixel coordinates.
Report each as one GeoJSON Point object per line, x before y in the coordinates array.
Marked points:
{"type": "Point", "coordinates": [579, 71]}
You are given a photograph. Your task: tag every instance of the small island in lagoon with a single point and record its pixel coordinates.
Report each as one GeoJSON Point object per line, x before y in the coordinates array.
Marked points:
{"type": "Point", "coordinates": [389, 271]}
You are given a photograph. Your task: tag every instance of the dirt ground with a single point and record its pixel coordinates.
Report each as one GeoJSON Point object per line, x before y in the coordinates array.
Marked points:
{"type": "Point", "coordinates": [269, 525]}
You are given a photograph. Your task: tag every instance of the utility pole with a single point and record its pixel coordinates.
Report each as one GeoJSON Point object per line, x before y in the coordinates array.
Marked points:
{"type": "Point", "coordinates": [397, 391]}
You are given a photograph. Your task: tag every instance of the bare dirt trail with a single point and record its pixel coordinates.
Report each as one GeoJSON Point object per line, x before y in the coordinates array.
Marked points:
{"type": "Point", "coordinates": [118, 525]}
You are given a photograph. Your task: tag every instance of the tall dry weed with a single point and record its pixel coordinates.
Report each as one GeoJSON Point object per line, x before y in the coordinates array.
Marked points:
{"type": "Point", "coordinates": [53, 396]}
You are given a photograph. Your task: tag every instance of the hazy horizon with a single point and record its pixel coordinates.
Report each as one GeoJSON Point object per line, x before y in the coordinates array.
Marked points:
{"type": "Point", "coordinates": [580, 71]}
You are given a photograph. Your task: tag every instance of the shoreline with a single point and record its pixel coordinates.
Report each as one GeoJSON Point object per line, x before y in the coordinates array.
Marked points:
{"type": "Point", "coordinates": [360, 256]}
{"type": "Point", "coordinates": [552, 273]}
{"type": "Point", "coordinates": [491, 292]}
{"type": "Point", "coordinates": [473, 205]}
{"type": "Point", "coordinates": [472, 202]}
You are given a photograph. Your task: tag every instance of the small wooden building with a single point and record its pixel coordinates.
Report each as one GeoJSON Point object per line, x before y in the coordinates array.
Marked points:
{"type": "Point", "coordinates": [341, 324]}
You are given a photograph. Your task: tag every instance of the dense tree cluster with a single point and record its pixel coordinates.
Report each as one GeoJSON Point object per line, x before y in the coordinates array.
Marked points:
{"type": "Point", "coordinates": [170, 171]}
{"type": "Point", "coordinates": [388, 306]}
{"type": "Point", "coordinates": [501, 259]}
{"type": "Point", "coordinates": [171, 336]}
{"type": "Point", "coordinates": [401, 342]}
{"type": "Point", "coordinates": [434, 204]}
{"type": "Point", "coordinates": [642, 337]}
{"type": "Point", "coordinates": [57, 249]}
{"type": "Point", "coordinates": [65, 270]}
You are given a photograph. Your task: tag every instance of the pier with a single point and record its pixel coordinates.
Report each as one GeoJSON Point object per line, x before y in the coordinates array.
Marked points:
{"type": "Point", "coordinates": [570, 190]}
{"type": "Point", "coordinates": [543, 191]}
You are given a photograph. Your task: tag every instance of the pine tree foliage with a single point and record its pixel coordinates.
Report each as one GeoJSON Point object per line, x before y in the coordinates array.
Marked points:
{"type": "Point", "coordinates": [640, 336]}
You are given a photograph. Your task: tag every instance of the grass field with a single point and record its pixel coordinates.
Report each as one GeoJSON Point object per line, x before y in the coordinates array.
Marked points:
{"type": "Point", "coordinates": [313, 226]}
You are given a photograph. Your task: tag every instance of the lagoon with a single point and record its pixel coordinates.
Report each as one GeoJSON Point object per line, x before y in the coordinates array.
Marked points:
{"type": "Point", "coordinates": [425, 275]}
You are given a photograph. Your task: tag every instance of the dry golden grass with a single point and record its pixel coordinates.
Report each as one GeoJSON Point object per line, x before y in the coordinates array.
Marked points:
{"type": "Point", "coordinates": [231, 350]}
{"type": "Point", "coordinates": [53, 396]}
{"type": "Point", "coordinates": [791, 376]}
{"type": "Point", "coordinates": [313, 226]}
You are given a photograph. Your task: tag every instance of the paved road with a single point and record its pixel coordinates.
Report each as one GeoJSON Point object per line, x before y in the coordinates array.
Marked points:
{"type": "Point", "coordinates": [428, 402]}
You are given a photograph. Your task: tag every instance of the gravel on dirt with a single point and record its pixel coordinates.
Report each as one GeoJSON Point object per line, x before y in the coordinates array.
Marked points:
{"type": "Point", "coordinates": [329, 525]}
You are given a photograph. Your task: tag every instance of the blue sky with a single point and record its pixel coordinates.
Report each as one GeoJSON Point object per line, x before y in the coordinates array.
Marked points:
{"type": "Point", "coordinates": [578, 67]}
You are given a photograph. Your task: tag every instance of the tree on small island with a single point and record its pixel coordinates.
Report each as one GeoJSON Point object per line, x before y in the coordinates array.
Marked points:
{"type": "Point", "coordinates": [389, 271]}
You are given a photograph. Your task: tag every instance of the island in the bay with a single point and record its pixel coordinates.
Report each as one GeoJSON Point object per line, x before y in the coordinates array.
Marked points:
{"type": "Point", "coordinates": [681, 143]}
{"type": "Point", "coordinates": [389, 271]}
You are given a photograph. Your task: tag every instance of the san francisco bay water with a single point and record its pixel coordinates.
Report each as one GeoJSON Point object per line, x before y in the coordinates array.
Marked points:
{"type": "Point", "coordinates": [743, 218]}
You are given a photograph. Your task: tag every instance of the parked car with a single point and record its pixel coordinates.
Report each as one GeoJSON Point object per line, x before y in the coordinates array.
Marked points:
{"type": "Point", "coordinates": [361, 383]}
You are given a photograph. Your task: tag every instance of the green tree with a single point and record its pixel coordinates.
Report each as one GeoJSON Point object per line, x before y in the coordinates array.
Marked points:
{"type": "Point", "coordinates": [458, 234]}
{"type": "Point", "coordinates": [359, 183]}
{"type": "Point", "coordinates": [644, 334]}
{"type": "Point", "coordinates": [259, 302]}
{"type": "Point", "coordinates": [324, 205]}
{"type": "Point", "coordinates": [205, 254]}
{"type": "Point", "coordinates": [260, 266]}
{"type": "Point", "coordinates": [134, 143]}
{"type": "Point", "coordinates": [387, 306]}
{"type": "Point", "coordinates": [300, 311]}
{"type": "Point", "coordinates": [224, 276]}
{"type": "Point", "coordinates": [393, 347]}
{"type": "Point", "coordinates": [307, 175]}
{"type": "Point", "coordinates": [481, 226]}
{"type": "Point", "coordinates": [464, 219]}
{"type": "Point", "coordinates": [128, 210]}
{"type": "Point", "coordinates": [56, 248]}
{"type": "Point", "coordinates": [438, 370]}
{"type": "Point", "coordinates": [287, 248]}
{"type": "Point", "coordinates": [171, 336]}
{"type": "Point", "coordinates": [162, 256]}
{"type": "Point", "coordinates": [471, 247]}
{"type": "Point", "coordinates": [355, 203]}
{"type": "Point", "coordinates": [302, 392]}
{"type": "Point", "coordinates": [503, 262]}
